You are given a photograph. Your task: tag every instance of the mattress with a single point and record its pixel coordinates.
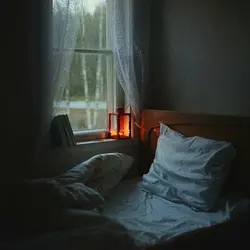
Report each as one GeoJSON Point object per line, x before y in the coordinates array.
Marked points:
{"type": "Point", "coordinates": [151, 219]}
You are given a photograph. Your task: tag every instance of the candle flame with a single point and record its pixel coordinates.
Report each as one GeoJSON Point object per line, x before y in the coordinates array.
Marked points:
{"type": "Point", "coordinates": [124, 132]}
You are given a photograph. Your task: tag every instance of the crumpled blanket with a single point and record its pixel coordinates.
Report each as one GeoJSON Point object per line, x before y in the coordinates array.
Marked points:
{"type": "Point", "coordinates": [75, 229]}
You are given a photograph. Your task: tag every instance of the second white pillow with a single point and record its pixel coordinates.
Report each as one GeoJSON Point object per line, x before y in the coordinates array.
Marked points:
{"type": "Point", "coordinates": [110, 172]}
{"type": "Point", "coordinates": [101, 172]}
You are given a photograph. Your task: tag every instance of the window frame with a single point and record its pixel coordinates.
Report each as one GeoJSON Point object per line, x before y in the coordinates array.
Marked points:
{"type": "Point", "coordinates": [115, 98]}
{"type": "Point", "coordinates": [113, 94]}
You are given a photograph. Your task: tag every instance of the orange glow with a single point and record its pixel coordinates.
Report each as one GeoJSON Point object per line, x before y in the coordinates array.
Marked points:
{"type": "Point", "coordinates": [124, 131]}
{"type": "Point", "coordinates": [113, 132]}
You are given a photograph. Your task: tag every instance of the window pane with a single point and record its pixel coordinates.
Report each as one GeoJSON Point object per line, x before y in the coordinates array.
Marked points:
{"type": "Point", "coordinates": [92, 32]}
{"type": "Point", "coordinates": [85, 95]}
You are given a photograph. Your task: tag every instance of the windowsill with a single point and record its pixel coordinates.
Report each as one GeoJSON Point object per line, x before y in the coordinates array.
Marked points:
{"type": "Point", "coordinates": [94, 141]}
{"type": "Point", "coordinates": [107, 143]}
{"type": "Point", "coordinates": [89, 136]}
{"type": "Point", "coordinates": [94, 137]}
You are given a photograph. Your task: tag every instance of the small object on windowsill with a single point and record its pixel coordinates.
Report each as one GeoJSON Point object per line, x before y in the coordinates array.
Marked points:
{"type": "Point", "coordinates": [119, 124]}
{"type": "Point", "coordinates": [61, 133]}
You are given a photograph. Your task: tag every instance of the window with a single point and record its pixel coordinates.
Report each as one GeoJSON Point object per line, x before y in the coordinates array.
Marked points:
{"type": "Point", "coordinates": [92, 87]}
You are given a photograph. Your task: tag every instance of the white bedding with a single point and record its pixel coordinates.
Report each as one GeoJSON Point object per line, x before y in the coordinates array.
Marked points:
{"type": "Point", "coordinates": [151, 219]}
{"type": "Point", "coordinates": [143, 218]}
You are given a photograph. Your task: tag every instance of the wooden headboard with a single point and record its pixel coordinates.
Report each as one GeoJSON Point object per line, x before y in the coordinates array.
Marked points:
{"type": "Point", "coordinates": [234, 129]}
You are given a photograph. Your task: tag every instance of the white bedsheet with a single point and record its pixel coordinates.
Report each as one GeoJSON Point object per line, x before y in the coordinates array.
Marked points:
{"type": "Point", "coordinates": [151, 219]}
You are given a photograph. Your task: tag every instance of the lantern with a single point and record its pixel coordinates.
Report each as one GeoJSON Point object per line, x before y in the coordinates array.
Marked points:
{"type": "Point", "coordinates": [119, 124]}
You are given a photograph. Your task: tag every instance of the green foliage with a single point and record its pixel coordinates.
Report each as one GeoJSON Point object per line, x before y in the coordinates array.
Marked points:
{"type": "Point", "coordinates": [88, 38]}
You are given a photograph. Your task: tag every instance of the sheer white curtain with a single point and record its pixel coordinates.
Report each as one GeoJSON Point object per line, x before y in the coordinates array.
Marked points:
{"type": "Point", "coordinates": [64, 34]}
{"type": "Point", "coordinates": [126, 52]}
{"type": "Point", "coordinates": [60, 34]}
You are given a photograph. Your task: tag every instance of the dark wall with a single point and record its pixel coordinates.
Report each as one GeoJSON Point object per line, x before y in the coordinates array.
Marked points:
{"type": "Point", "coordinates": [155, 56]}
{"type": "Point", "coordinates": [24, 77]}
{"type": "Point", "coordinates": [204, 60]}
{"type": "Point", "coordinates": [141, 33]}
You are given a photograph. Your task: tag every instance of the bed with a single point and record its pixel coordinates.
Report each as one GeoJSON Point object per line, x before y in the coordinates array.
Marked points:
{"type": "Point", "coordinates": [145, 216]}
{"type": "Point", "coordinates": [151, 219]}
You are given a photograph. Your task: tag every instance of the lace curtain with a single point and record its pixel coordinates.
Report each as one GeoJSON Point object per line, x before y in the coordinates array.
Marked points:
{"type": "Point", "coordinates": [64, 34]}
{"type": "Point", "coordinates": [128, 23]}
{"type": "Point", "coordinates": [130, 59]}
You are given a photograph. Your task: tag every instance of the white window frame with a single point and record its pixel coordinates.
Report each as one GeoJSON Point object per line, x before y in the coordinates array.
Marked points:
{"type": "Point", "coordinates": [112, 90]}
{"type": "Point", "coordinates": [115, 94]}
{"type": "Point", "coordinates": [112, 86]}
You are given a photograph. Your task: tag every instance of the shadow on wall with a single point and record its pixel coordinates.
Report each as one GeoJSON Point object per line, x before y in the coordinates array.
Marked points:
{"type": "Point", "coordinates": [203, 66]}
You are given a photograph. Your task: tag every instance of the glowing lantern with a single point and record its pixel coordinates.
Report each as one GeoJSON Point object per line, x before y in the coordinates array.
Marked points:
{"type": "Point", "coordinates": [119, 124]}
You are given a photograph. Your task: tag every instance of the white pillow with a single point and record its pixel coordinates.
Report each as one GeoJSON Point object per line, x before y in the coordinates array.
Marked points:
{"type": "Point", "coordinates": [82, 172]}
{"type": "Point", "coordinates": [189, 170]}
{"type": "Point", "coordinates": [110, 172]}
{"type": "Point", "coordinates": [101, 172]}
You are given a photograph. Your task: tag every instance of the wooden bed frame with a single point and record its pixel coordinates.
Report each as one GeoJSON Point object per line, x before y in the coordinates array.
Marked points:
{"type": "Point", "coordinates": [235, 129]}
